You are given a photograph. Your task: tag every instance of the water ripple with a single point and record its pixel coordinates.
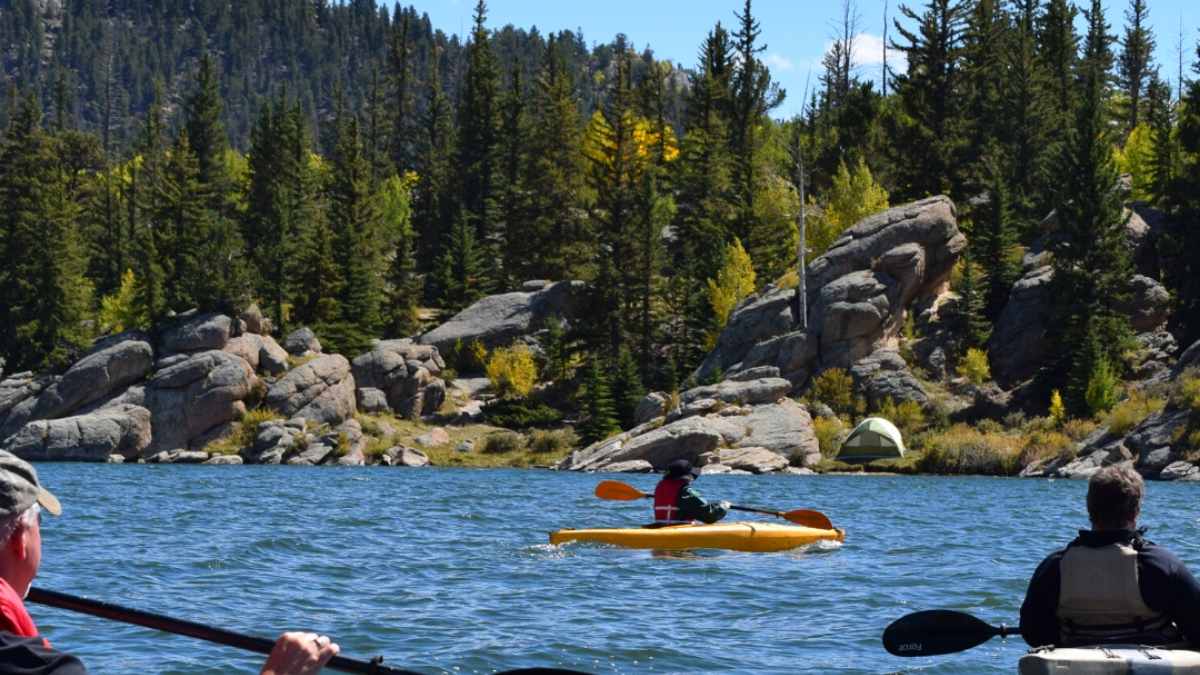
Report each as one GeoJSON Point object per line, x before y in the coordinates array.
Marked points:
{"type": "Point", "coordinates": [449, 570]}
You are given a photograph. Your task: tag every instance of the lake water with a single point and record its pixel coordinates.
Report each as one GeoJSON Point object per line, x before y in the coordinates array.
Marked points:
{"type": "Point", "coordinates": [448, 570]}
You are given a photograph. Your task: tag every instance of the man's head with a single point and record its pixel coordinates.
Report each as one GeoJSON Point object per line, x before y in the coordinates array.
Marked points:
{"type": "Point", "coordinates": [681, 468]}
{"type": "Point", "coordinates": [1114, 497]}
{"type": "Point", "coordinates": [22, 498]}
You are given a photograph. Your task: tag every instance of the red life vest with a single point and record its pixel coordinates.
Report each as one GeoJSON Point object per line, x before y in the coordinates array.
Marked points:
{"type": "Point", "coordinates": [666, 500]}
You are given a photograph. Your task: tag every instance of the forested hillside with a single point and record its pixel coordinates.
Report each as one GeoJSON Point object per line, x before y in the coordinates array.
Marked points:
{"type": "Point", "coordinates": [343, 166]}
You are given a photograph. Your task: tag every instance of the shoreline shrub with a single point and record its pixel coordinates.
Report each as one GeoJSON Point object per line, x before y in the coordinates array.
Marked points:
{"type": "Point", "coordinates": [512, 371]}
{"type": "Point", "coordinates": [502, 442]}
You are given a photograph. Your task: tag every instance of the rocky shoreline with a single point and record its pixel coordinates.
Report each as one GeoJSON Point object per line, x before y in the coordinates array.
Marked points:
{"type": "Point", "coordinates": [216, 389]}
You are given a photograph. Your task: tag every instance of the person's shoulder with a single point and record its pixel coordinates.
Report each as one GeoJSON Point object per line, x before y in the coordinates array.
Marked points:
{"type": "Point", "coordinates": [1160, 556]}
{"type": "Point", "coordinates": [31, 656]}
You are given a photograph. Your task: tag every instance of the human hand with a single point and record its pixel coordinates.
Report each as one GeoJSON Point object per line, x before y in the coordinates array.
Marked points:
{"type": "Point", "coordinates": [725, 504]}
{"type": "Point", "coordinates": [299, 653]}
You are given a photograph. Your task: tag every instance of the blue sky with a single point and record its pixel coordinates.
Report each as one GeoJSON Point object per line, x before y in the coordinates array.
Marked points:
{"type": "Point", "coordinates": [797, 32]}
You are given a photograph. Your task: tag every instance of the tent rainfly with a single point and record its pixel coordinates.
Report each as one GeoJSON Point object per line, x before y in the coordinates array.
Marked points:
{"type": "Point", "coordinates": [874, 438]}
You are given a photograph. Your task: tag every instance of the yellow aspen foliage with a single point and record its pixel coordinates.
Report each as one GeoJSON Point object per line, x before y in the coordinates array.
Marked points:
{"type": "Point", "coordinates": [735, 281]}
{"type": "Point", "coordinates": [853, 196]}
{"type": "Point", "coordinates": [1058, 412]}
{"type": "Point", "coordinates": [512, 371]}
{"type": "Point", "coordinates": [974, 366]}
{"type": "Point", "coordinates": [1137, 160]}
{"type": "Point", "coordinates": [118, 312]}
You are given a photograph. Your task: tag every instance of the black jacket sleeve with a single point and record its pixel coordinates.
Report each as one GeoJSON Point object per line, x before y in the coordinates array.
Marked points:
{"type": "Point", "coordinates": [1169, 587]}
{"type": "Point", "coordinates": [29, 656]}
{"type": "Point", "coordinates": [1039, 612]}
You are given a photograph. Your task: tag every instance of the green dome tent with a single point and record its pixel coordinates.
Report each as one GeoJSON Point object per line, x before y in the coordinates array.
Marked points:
{"type": "Point", "coordinates": [873, 438]}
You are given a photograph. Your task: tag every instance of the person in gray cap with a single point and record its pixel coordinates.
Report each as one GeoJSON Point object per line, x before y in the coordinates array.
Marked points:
{"type": "Point", "coordinates": [22, 650]}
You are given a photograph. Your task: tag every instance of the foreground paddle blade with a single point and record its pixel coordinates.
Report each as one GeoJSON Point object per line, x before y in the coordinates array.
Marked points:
{"type": "Point", "coordinates": [936, 631]}
{"type": "Point", "coordinates": [809, 518]}
{"type": "Point", "coordinates": [615, 489]}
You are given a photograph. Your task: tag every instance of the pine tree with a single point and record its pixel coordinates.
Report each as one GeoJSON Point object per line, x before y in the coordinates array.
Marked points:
{"type": "Point", "coordinates": [972, 326]}
{"type": "Point", "coordinates": [205, 129]}
{"type": "Point", "coordinates": [555, 235]}
{"type": "Point", "coordinates": [627, 388]}
{"type": "Point", "coordinates": [433, 205]}
{"type": "Point", "coordinates": [404, 285]}
{"type": "Point", "coordinates": [400, 62]}
{"type": "Point", "coordinates": [555, 231]}
{"type": "Point", "coordinates": [461, 269]}
{"type": "Point", "coordinates": [44, 294]}
{"type": "Point", "coordinates": [513, 198]}
{"type": "Point", "coordinates": [1184, 199]}
{"type": "Point", "coordinates": [478, 128]}
{"type": "Point", "coordinates": [1135, 66]}
{"type": "Point", "coordinates": [932, 138]}
{"type": "Point", "coordinates": [1091, 265]}
{"type": "Point", "coordinates": [601, 420]}
{"type": "Point", "coordinates": [354, 220]}
{"type": "Point", "coordinates": [1057, 47]}
{"type": "Point", "coordinates": [993, 237]}
{"type": "Point", "coordinates": [1166, 155]}
{"type": "Point", "coordinates": [147, 233]}
{"type": "Point", "coordinates": [1026, 111]}
{"type": "Point", "coordinates": [986, 39]}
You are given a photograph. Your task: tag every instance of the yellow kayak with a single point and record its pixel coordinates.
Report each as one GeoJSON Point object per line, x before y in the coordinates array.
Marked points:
{"type": "Point", "coordinates": [744, 536]}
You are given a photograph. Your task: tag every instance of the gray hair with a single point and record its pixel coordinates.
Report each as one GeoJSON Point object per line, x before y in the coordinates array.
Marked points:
{"type": "Point", "coordinates": [24, 519]}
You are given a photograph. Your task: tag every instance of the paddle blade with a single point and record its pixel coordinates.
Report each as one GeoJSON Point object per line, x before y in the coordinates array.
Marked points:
{"type": "Point", "coordinates": [936, 631]}
{"type": "Point", "coordinates": [809, 518]}
{"type": "Point", "coordinates": [615, 489]}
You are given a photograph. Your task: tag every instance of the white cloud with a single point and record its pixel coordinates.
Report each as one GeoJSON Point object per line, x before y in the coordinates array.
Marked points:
{"type": "Point", "coordinates": [868, 53]}
{"type": "Point", "coordinates": [779, 62]}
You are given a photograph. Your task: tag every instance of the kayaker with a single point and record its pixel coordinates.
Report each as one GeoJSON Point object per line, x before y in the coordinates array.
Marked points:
{"type": "Point", "coordinates": [676, 501]}
{"type": "Point", "coordinates": [1111, 585]}
{"type": "Point", "coordinates": [22, 650]}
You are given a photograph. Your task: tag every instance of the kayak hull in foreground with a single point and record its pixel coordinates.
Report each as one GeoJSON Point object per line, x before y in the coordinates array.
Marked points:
{"type": "Point", "coordinates": [1112, 659]}
{"type": "Point", "coordinates": [755, 537]}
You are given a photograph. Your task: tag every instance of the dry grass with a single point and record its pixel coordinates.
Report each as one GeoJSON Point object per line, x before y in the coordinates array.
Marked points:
{"type": "Point", "coordinates": [1131, 412]}
{"type": "Point", "coordinates": [965, 450]}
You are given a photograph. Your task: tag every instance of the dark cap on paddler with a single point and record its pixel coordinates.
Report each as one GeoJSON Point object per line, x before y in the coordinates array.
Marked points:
{"type": "Point", "coordinates": [19, 488]}
{"type": "Point", "coordinates": [682, 468]}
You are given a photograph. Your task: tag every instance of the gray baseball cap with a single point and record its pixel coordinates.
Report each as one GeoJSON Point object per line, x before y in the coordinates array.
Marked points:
{"type": "Point", "coordinates": [19, 488]}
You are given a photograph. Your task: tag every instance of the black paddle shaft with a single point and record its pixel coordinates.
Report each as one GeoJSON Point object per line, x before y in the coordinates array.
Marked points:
{"type": "Point", "coordinates": [200, 631]}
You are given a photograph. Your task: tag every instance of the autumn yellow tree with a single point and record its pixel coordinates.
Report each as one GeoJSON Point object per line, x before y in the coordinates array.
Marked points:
{"type": "Point", "coordinates": [735, 281]}
{"type": "Point", "coordinates": [853, 196]}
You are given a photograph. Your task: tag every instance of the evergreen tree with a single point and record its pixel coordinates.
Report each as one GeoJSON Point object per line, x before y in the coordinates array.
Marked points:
{"type": "Point", "coordinates": [1026, 112]}
{"type": "Point", "coordinates": [552, 245]}
{"type": "Point", "coordinates": [205, 130]}
{"type": "Point", "coordinates": [148, 235]}
{"type": "Point", "coordinates": [627, 388]}
{"type": "Point", "coordinates": [404, 285]}
{"type": "Point", "coordinates": [1057, 48]}
{"type": "Point", "coordinates": [971, 326]}
{"type": "Point", "coordinates": [44, 294]}
{"type": "Point", "coordinates": [601, 420]}
{"type": "Point", "coordinates": [1166, 155]}
{"type": "Point", "coordinates": [513, 197]}
{"type": "Point", "coordinates": [478, 126]}
{"type": "Point", "coordinates": [993, 237]}
{"type": "Point", "coordinates": [1091, 265]}
{"type": "Point", "coordinates": [354, 220]}
{"type": "Point", "coordinates": [930, 137]}
{"type": "Point", "coordinates": [400, 62]}
{"type": "Point", "coordinates": [1135, 66]}
{"type": "Point", "coordinates": [986, 40]}
{"type": "Point", "coordinates": [433, 205]}
{"type": "Point", "coordinates": [461, 269]}
{"type": "Point", "coordinates": [1184, 199]}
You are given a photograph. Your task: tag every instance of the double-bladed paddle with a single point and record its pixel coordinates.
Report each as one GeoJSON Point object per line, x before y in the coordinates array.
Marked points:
{"type": "Point", "coordinates": [200, 631]}
{"type": "Point", "coordinates": [939, 631]}
{"type": "Point", "coordinates": [615, 489]}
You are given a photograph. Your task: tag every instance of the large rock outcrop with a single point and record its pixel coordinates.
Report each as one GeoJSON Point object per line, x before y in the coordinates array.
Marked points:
{"type": "Point", "coordinates": [497, 320]}
{"type": "Point", "coordinates": [105, 371]}
{"type": "Point", "coordinates": [858, 292]}
{"type": "Point", "coordinates": [321, 390]}
{"type": "Point", "coordinates": [197, 399]}
{"type": "Point", "coordinates": [707, 425]}
{"type": "Point", "coordinates": [194, 332]}
{"type": "Point", "coordinates": [401, 377]}
{"type": "Point", "coordinates": [121, 430]}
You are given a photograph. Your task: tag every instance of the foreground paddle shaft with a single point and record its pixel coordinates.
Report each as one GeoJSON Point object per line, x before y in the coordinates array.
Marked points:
{"type": "Point", "coordinates": [939, 631]}
{"type": "Point", "coordinates": [196, 630]}
{"type": "Point", "coordinates": [615, 489]}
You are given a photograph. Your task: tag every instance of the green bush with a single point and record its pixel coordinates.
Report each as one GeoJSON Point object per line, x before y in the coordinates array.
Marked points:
{"type": "Point", "coordinates": [834, 388]}
{"type": "Point", "coordinates": [1102, 388]}
{"type": "Point", "coordinates": [963, 450]}
{"type": "Point", "coordinates": [974, 366]}
{"type": "Point", "coordinates": [1131, 412]}
{"type": "Point", "coordinates": [556, 441]}
{"type": "Point", "coordinates": [830, 433]}
{"type": "Point", "coordinates": [907, 416]}
{"type": "Point", "coordinates": [501, 442]}
{"type": "Point", "coordinates": [521, 414]}
{"type": "Point", "coordinates": [1186, 392]}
